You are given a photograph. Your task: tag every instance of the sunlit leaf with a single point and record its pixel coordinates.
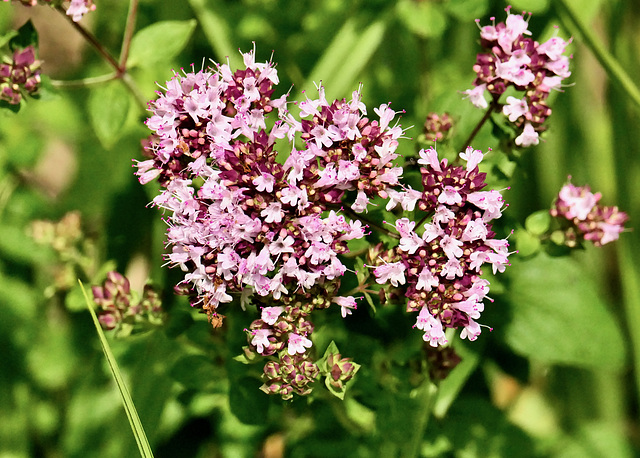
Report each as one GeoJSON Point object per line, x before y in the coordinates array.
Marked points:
{"type": "Point", "coordinates": [558, 317]}
{"type": "Point", "coordinates": [159, 42]}
{"type": "Point", "coordinates": [108, 110]}
{"type": "Point", "coordinates": [538, 223]}
{"type": "Point", "coordinates": [26, 36]}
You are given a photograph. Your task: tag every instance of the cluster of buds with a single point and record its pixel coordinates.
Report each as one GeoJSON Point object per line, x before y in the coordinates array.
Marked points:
{"type": "Point", "coordinates": [19, 75]}
{"type": "Point", "coordinates": [587, 220]}
{"type": "Point", "coordinates": [76, 8]}
{"type": "Point", "coordinates": [441, 360]}
{"type": "Point", "coordinates": [437, 126]}
{"type": "Point", "coordinates": [122, 310]}
{"type": "Point", "coordinates": [290, 374]}
{"type": "Point", "coordinates": [441, 262]}
{"type": "Point", "coordinates": [63, 236]}
{"type": "Point", "coordinates": [283, 332]}
{"type": "Point", "coordinates": [75, 252]}
{"type": "Point", "coordinates": [517, 61]}
{"type": "Point", "coordinates": [339, 371]}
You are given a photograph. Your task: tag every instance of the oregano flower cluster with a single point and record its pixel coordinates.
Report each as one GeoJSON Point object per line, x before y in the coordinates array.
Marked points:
{"type": "Point", "coordinates": [514, 60]}
{"type": "Point", "coordinates": [585, 218]}
{"type": "Point", "coordinates": [250, 228]}
{"type": "Point", "coordinates": [441, 262]}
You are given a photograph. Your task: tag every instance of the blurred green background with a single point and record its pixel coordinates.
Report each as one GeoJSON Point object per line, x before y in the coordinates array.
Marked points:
{"type": "Point", "coordinates": [558, 376]}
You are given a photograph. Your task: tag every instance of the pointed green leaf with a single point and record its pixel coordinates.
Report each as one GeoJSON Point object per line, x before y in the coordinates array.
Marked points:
{"type": "Point", "coordinates": [345, 57]}
{"type": "Point", "coordinates": [558, 317]}
{"type": "Point", "coordinates": [26, 36]}
{"type": "Point", "coordinates": [526, 243]}
{"type": "Point", "coordinates": [159, 42]}
{"type": "Point", "coordinates": [217, 32]}
{"type": "Point", "coordinates": [108, 110]}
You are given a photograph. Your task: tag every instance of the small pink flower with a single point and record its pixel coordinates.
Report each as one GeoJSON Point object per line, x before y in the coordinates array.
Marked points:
{"type": "Point", "coordinates": [391, 272]}
{"type": "Point", "coordinates": [298, 344]}
{"type": "Point", "coordinates": [270, 314]}
{"type": "Point", "coordinates": [260, 339]}
{"type": "Point", "coordinates": [476, 96]}
{"type": "Point", "coordinates": [347, 304]}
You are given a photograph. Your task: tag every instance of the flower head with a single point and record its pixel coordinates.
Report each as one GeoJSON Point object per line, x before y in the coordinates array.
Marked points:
{"type": "Point", "coordinates": [512, 59]}
{"type": "Point", "coordinates": [440, 267]}
{"type": "Point", "coordinates": [585, 218]}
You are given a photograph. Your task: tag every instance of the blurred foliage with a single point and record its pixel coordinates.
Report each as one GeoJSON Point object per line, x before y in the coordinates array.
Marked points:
{"type": "Point", "coordinates": [558, 376]}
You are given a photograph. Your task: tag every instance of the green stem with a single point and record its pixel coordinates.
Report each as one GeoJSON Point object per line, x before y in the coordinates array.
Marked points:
{"type": "Point", "coordinates": [492, 106]}
{"type": "Point", "coordinates": [128, 32]}
{"type": "Point", "coordinates": [630, 274]}
{"type": "Point", "coordinates": [106, 55]}
{"type": "Point", "coordinates": [120, 70]}
{"type": "Point", "coordinates": [425, 396]}
{"type": "Point", "coordinates": [130, 409]}
{"type": "Point", "coordinates": [606, 59]}
{"type": "Point", "coordinates": [85, 82]}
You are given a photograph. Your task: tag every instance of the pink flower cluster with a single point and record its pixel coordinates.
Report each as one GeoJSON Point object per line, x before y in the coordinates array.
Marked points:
{"type": "Point", "coordinates": [588, 220]}
{"type": "Point", "coordinates": [76, 8]}
{"type": "Point", "coordinates": [441, 262]}
{"type": "Point", "coordinates": [19, 75]}
{"type": "Point", "coordinates": [517, 61]}
{"type": "Point", "coordinates": [242, 222]}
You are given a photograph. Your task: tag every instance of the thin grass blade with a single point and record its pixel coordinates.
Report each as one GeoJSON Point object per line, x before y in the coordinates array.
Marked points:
{"type": "Point", "coordinates": [127, 401]}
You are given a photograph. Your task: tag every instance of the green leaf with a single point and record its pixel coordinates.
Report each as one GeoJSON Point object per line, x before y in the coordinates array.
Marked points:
{"type": "Point", "coordinates": [108, 110]}
{"type": "Point", "coordinates": [159, 42]}
{"type": "Point", "coordinates": [558, 318]}
{"type": "Point", "coordinates": [217, 32]}
{"type": "Point", "coordinates": [129, 406]}
{"type": "Point", "coordinates": [425, 19]}
{"type": "Point", "coordinates": [526, 243]}
{"type": "Point", "coordinates": [4, 39]}
{"type": "Point", "coordinates": [332, 348]}
{"type": "Point", "coordinates": [325, 371]}
{"type": "Point", "coordinates": [345, 57]}
{"type": "Point", "coordinates": [26, 36]}
{"type": "Point", "coordinates": [538, 223]}
{"type": "Point", "coordinates": [362, 272]}
{"type": "Point", "coordinates": [451, 386]}
{"type": "Point", "coordinates": [247, 402]}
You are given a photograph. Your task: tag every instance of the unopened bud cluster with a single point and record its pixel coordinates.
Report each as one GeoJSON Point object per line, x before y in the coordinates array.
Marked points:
{"type": "Point", "coordinates": [341, 370]}
{"type": "Point", "coordinates": [290, 374]}
{"type": "Point", "coordinates": [437, 126]}
{"type": "Point", "coordinates": [122, 310]}
{"type": "Point", "coordinates": [19, 75]}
